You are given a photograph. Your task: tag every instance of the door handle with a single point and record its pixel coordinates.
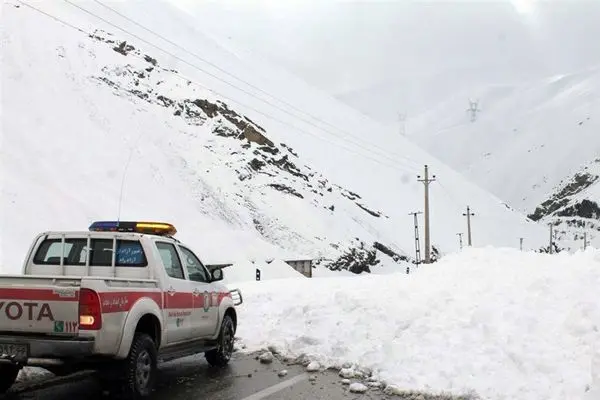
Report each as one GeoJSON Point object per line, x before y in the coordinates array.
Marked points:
{"type": "Point", "coordinates": [171, 291]}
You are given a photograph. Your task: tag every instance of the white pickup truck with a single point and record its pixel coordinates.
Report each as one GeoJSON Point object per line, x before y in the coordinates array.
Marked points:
{"type": "Point", "coordinates": [117, 298]}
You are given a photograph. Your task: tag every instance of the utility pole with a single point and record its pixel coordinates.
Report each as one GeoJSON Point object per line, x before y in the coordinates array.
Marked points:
{"type": "Point", "coordinates": [417, 243]}
{"type": "Point", "coordinates": [469, 214]}
{"type": "Point", "coordinates": [521, 244]}
{"type": "Point", "coordinates": [584, 240]}
{"type": "Point", "coordinates": [551, 237]}
{"type": "Point", "coordinates": [460, 239]}
{"type": "Point", "coordinates": [426, 181]}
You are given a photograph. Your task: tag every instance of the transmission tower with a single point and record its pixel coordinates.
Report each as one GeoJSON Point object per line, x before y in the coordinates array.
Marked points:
{"type": "Point", "coordinates": [402, 120]}
{"type": "Point", "coordinates": [417, 239]}
{"type": "Point", "coordinates": [473, 109]}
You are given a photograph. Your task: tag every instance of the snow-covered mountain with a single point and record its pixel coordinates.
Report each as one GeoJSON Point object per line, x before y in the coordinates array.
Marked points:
{"type": "Point", "coordinates": [526, 139]}
{"type": "Point", "coordinates": [103, 118]}
{"type": "Point", "coordinates": [573, 209]}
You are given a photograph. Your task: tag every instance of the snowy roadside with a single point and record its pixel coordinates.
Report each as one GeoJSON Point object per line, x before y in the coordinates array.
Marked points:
{"type": "Point", "coordinates": [497, 322]}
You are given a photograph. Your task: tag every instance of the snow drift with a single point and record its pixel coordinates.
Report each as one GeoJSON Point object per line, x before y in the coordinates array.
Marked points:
{"type": "Point", "coordinates": [502, 323]}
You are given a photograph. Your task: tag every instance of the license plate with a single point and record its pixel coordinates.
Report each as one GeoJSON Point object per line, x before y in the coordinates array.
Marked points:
{"type": "Point", "coordinates": [20, 351]}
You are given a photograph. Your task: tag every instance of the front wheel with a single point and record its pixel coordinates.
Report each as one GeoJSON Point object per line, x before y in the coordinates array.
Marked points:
{"type": "Point", "coordinates": [8, 376]}
{"type": "Point", "coordinates": [220, 356]}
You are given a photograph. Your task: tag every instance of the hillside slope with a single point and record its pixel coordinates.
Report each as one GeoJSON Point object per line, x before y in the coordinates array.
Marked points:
{"type": "Point", "coordinates": [526, 138]}
{"type": "Point", "coordinates": [573, 209]}
{"type": "Point", "coordinates": [93, 114]}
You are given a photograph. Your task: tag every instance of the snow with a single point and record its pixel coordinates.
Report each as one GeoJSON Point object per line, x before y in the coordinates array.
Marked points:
{"type": "Point", "coordinates": [71, 140]}
{"type": "Point", "coordinates": [266, 357]}
{"type": "Point", "coordinates": [357, 387]}
{"type": "Point", "coordinates": [282, 373]}
{"type": "Point", "coordinates": [498, 322]}
{"type": "Point", "coordinates": [527, 138]}
{"type": "Point", "coordinates": [568, 209]}
{"type": "Point", "coordinates": [74, 133]}
{"type": "Point", "coordinates": [314, 366]}
{"type": "Point", "coordinates": [347, 373]}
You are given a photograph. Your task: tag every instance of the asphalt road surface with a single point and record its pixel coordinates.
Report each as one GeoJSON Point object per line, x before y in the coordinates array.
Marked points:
{"type": "Point", "coordinates": [192, 378]}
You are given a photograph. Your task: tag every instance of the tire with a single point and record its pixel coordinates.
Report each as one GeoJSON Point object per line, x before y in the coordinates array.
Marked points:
{"type": "Point", "coordinates": [220, 356]}
{"type": "Point", "coordinates": [8, 376]}
{"type": "Point", "coordinates": [140, 368]}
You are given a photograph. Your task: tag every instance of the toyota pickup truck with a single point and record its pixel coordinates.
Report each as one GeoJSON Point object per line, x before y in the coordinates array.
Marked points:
{"type": "Point", "coordinates": [118, 299]}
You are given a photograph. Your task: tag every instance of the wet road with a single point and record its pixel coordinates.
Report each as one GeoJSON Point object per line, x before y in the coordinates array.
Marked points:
{"type": "Point", "coordinates": [192, 378]}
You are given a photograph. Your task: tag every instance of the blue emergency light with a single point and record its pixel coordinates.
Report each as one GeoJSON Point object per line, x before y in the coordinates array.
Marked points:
{"type": "Point", "coordinates": [152, 228]}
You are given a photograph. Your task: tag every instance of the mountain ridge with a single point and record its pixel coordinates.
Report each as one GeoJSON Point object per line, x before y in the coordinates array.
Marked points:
{"type": "Point", "coordinates": [125, 115]}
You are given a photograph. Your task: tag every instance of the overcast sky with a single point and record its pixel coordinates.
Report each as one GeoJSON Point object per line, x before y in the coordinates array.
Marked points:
{"type": "Point", "coordinates": [352, 46]}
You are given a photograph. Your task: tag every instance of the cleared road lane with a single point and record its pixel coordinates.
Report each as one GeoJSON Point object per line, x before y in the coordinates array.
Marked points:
{"type": "Point", "coordinates": [192, 378]}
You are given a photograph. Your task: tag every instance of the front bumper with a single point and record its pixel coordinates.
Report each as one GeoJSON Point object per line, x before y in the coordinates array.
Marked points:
{"type": "Point", "coordinates": [42, 350]}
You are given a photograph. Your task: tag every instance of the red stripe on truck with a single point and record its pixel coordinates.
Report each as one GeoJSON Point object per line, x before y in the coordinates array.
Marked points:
{"type": "Point", "coordinates": [112, 302]}
{"type": "Point", "coordinates": [123, 301]}
{"type": "Point", "coordinates": [178, 300]}
{"type": "Point", "coordinates": [39, 294]}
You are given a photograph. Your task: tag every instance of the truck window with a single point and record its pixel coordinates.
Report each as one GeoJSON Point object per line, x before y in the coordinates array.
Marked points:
{"type": "Point", "coordinates": [170, 260]}
{"type": "Point", "coordinates": [129, 253]}
{"type": "Point", "coordinates": [51, 250]}
{"type": "Point", "coordinates": [195, 269]}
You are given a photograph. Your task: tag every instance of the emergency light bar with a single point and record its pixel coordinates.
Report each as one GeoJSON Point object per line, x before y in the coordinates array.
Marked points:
{"type": "Point", "coordinates": [152, 228]}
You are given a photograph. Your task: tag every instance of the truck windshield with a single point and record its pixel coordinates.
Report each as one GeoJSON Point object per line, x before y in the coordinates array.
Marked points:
{"type": "Point", "coordinates": [129, 253]}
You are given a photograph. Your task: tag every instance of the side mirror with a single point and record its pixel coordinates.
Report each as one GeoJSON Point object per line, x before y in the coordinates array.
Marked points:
{"type": "Point", "coordinates": [217, 275]}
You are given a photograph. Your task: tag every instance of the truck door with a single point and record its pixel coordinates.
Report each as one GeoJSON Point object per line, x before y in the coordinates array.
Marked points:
{"type": "Point", "coordinates": [177, 293]}
{"type": "Point", "coordinates": [206, 308]}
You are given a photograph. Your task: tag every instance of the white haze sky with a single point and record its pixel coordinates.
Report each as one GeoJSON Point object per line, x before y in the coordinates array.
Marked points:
{"type": "Point", "coordinates": [362, 50]}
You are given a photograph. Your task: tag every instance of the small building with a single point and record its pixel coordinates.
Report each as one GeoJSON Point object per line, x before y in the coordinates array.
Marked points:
{"type": "Point", "coordinates": [302, 266]}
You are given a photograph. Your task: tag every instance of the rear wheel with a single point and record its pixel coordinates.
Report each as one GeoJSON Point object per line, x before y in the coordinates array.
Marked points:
{"type": "Point", "coordinates": [8, 376]}
{"type": "Point", "coordinates": [220, 356]}
{"type": "Point", "coordinates": [140, 368]}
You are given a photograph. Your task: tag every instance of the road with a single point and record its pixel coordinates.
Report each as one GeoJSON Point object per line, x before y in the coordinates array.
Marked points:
{"type": "Point", "coordinates": [191, 379]}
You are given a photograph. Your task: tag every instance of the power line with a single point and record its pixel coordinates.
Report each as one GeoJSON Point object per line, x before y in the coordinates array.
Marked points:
{"type": "Point", "coordinates": [449, 195]}
{"type": "Point", "coordinates": [376, 159]}
{"type": "Point", "coordinates": [217, 67]}
{"type": "Point", "coordinates": [53, 17]}
{"type": "Point", "coordinates": [227, 83]}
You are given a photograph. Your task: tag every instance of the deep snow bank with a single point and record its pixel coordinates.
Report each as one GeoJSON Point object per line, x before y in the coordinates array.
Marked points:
{"type": "Point", "coordinates": [506, 324]}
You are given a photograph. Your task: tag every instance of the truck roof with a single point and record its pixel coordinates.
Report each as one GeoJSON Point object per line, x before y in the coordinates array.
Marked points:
{"type": "Point", "coordinates": [106, 234]}
{"type": "Point", "coordinates": [122, 228]}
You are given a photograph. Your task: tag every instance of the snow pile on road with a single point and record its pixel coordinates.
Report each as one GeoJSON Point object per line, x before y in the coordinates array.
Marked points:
{"type": "Point", "coordinates": [502, 323]}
